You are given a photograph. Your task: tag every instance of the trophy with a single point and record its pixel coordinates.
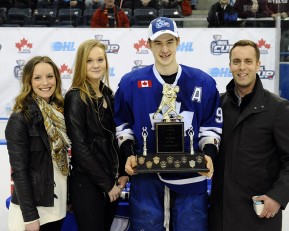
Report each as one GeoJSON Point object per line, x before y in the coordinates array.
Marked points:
{"type": "Point", "coordinates": [170, 156]}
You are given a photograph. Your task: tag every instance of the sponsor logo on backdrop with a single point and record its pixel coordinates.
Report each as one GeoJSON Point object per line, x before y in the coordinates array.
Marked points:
{"type": "Point", "coordinates": [216, 72]}
{"type": "Point", "coordinates": [220, 72]}
{"type": "Point", "coordinates": [185, 47]}
{"type": "Point", "coordinates": [23, 46]}
{"type": "Point", "coordinates": [263, 46]}
{"type": "Point", "coordinates": [138, 65]}
{"type": "Point", "coordinates": [111, 72]}
{"type": "Point", "coordinates": [221, 46]}
{"type": "Point", "coordinates": [111, 48]}
{"type": "Point", "coordinates": [266, 74]}
{"type": "Point", "coordinates": [63, 46]}
{"type": "Point", "coordinates": [18, 69]}
{"type": "Point", "coordinates": [141, 47]}
{"type": "Point", "coordinates": [65, 71]}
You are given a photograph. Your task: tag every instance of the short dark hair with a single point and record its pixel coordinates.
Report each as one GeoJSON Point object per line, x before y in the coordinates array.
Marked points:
{"type": "Point", "coordinates": [244, 42]}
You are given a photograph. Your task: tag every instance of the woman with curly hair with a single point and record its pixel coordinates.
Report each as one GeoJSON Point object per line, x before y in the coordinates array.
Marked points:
{"type": "Point", "coordinates": [38, 150]}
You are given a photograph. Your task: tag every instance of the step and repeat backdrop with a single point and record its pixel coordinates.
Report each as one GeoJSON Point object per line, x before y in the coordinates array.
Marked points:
{"type": "Point", "coordinates": [206, 49]}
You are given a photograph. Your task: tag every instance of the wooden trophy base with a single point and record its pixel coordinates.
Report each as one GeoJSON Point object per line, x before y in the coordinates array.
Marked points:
{"type": "Point", "coordinates": [171, 163]}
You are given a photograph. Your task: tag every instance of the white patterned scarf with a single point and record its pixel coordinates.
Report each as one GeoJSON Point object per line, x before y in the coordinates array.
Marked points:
{"type": "Point", "coordinates": [56, 130]}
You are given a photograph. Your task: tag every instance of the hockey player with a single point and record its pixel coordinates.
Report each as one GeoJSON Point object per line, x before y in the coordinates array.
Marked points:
{"type": "Point", "coordinates": [167, 201]}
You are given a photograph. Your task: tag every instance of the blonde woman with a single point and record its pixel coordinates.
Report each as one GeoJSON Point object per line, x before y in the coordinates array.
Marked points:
{"type": "Point", "coordinates": [97, 177]}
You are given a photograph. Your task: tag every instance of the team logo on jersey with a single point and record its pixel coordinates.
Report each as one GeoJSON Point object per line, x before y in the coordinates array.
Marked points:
{"type": "Point", "coordinates": [144, 83]}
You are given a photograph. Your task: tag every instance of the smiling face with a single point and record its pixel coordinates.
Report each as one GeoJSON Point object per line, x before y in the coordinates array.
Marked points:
{"type": "Point", "coordinates": [224, 2]}
{"type": "Point", "coordinates": [164, 49]}
{"type": "Point", "coordinates": [244, 66]}
{"type": "Point", "coordinates": [43, 81]}
{"type": "Point", "coordinates": [96, 65]}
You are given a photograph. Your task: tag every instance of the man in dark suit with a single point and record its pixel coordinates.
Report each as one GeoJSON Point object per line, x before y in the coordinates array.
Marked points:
{"type": "Point", "coordinates": [253, 161]}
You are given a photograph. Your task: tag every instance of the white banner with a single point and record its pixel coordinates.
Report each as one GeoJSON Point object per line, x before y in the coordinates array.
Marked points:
{"type": "Point", "coordinates": [206, 49]}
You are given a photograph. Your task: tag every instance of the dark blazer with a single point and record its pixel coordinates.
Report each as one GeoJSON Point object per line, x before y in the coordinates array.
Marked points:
{"type": "Point", "coordinates": [31, 161]}
{"type": "Point", "coordinates": [94, 152]}
{"type": "Point", "coordinates": [253, 160]}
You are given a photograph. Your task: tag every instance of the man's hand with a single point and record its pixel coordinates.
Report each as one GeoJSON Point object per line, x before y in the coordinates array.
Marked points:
{"type": "Point", "coordinates": [130, 165]}
{"type": "Point", "coordinates": [114, 193]}
{"type": "Point", "coordinates": [121, 182]}
{"type": "Point", "coordinates": [210, 166]}
{"type": "Point", "coordinates": [271, 207]}
{"type": "Point", "coordinates": [284, 15]}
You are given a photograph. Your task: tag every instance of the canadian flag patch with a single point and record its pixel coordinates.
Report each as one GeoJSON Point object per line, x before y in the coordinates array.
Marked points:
{"type": "Point", "coordinates": [144, 83]}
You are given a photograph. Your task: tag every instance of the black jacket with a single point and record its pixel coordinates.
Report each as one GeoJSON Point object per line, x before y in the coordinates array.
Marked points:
{"type": "Point", "coordinates": [253, 160]}
{"type": "Point", "coordinates": [94, 148]}
{"type": "Point", "coordinates": [31, 161]}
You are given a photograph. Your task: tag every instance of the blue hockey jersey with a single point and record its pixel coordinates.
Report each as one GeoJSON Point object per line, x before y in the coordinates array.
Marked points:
{"type": "Point", "coordinates": [137, 99]}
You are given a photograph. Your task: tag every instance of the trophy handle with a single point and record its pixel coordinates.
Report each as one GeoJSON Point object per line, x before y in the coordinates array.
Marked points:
{"type": "Point", "coordinates": [144, 135]}
{"type": "Point", "coordinates": [191, 135]}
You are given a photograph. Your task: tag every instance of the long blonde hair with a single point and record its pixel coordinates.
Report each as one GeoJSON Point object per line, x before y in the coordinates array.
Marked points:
{"type": "Point", "coordinates": [80, 80]}
{"type": "Point", "coordinates": [26, 85]}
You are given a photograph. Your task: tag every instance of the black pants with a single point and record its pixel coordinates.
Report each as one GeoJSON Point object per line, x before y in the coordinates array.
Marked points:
{"type": "Point", "coordinates": [52, 226]}
{"type": "Point", "coordinates": [91, 207]}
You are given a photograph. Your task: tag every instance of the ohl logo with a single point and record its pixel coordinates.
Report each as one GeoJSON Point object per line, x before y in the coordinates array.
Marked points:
{"type": "Point", "coordinates": [65, 72]}
{"type": "Point", "coordinates": [220, 72]}
{"type": "Point", "coordinates": [23, 46]}
{"type": "Point", "coordinates": [185, 47]}
{"type": "Point", "coordinates": [141, 47]}
{"type": "Point", "coordinates": [63, 46]}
